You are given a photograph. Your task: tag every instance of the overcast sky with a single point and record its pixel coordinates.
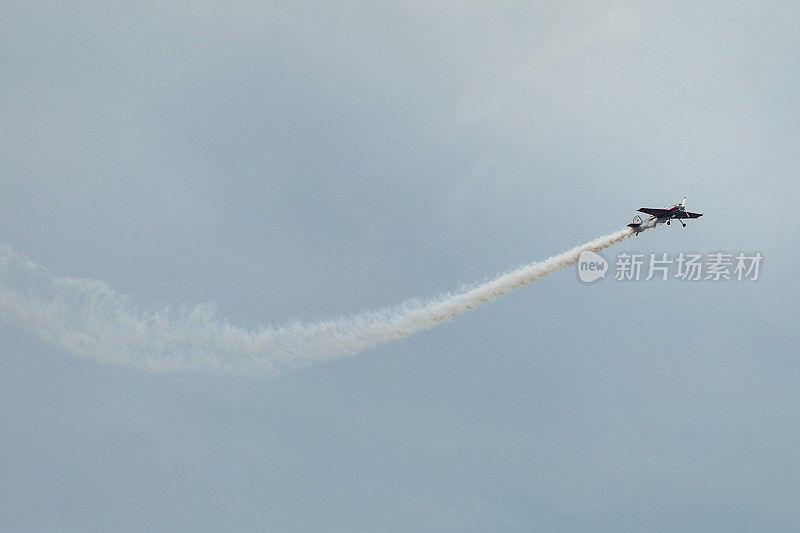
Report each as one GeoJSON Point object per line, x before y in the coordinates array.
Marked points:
{"type": "Point", "coordinates": [300, 161]}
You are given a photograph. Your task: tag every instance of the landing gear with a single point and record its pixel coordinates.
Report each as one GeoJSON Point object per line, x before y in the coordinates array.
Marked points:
{"type": "Point", "coordinates": [668, 222]}
{"type": "Point", "coordinates": [682, 223]}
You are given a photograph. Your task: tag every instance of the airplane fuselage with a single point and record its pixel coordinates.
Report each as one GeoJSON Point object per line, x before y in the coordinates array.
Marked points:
{"type": "Point", "coordinates": [651, 222]}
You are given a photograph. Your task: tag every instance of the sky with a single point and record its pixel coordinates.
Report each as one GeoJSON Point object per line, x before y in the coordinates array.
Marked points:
{"type": "Point", "coordinates": [298, 161]}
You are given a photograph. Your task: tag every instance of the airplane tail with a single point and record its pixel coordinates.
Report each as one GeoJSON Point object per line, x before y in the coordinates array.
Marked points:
{"type": "Point", "coordinates": [683, 203]}
{"type": "Point", "coordinates": [637, 221]}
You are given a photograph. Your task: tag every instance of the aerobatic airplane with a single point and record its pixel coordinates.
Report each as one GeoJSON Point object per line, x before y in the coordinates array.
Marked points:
{"type": "Point", "coordinates": [660, 215]}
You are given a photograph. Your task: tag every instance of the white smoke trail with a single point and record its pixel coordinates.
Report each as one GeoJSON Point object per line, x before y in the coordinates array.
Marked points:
{"type": "Point", "coordinates": [88, 318]}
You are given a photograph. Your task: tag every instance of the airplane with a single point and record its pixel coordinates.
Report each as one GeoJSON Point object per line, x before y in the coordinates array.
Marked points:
{"type": "Point", "coordinates": [661, 215]}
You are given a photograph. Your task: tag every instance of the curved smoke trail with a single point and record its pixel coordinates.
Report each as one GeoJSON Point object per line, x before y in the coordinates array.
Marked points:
{"type": "Point", "coordinates": [88, 318]}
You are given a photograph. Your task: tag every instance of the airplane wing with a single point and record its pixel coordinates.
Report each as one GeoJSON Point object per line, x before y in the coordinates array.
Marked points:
{"type": "Point", "coordinates": [685, 214]}
{"type": "Point", "coordinates": [654, 211]}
